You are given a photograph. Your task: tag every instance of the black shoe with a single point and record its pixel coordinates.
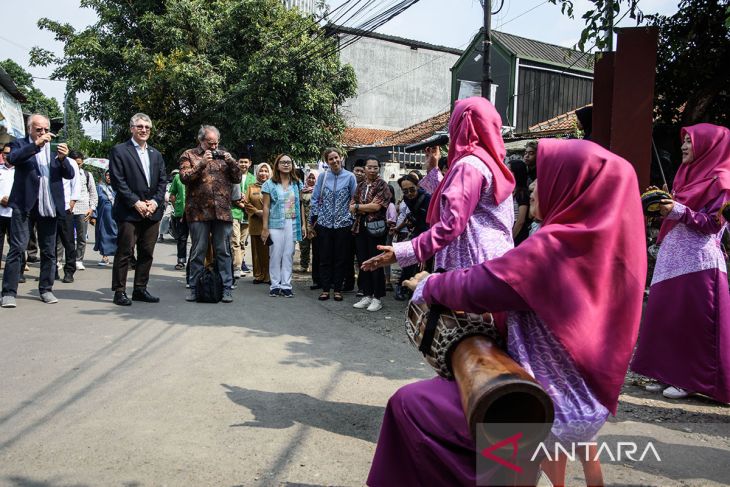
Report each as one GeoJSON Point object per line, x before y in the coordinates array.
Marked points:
{"type": "Point", "coordinates": [67, 279]}
{"type": "Point", "coordinates": [144, 295]}
{"type": "Point", "coordinates": [315, 286]}
{"type": "Point", "coordinates": [121, 299]}
{"type": "Point", "coordinates": [21, 279]}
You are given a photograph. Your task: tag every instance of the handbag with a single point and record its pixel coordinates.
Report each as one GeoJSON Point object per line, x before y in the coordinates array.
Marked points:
{"type": "Point", "coordinates": [377, 228]}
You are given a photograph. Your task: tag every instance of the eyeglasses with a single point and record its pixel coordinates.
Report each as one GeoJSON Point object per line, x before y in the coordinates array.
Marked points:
{"type": "Point", "coordinates": [410, 190]}
{"type": "Point", "coordinates": [142, 127]}
{"type": "Point", "coordinates": [41, 130]}
{"type": "Point", "coordinates": [285, 163]}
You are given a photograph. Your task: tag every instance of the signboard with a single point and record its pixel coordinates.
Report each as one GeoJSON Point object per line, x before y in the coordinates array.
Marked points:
{"type": "Point", "coordinates": [11, 115]}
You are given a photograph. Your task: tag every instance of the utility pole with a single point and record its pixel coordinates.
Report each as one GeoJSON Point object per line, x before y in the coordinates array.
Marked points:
{"type": "Point", "coordinates": [609, 24]}
{"type": "Point", "coordinates": [486, 51]}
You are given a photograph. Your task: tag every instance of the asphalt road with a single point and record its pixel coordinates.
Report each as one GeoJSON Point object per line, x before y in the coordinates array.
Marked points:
{"type": "Point", "coordinates": [264, 391]}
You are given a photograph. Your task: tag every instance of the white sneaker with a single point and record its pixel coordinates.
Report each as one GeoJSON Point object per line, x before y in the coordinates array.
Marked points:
{"type": "Point", "coordinates": [363, 303]}
{"type": "Point", "coordinates": [237, 274]}
{"type": "Point", "coordinates": [655, 387]}
{"type": "Point", "coordinates": [375, 305]}
{"type": "Point", "coordinates": [80, 266]}
{"type": "Point", "coordinates": [675, 393]}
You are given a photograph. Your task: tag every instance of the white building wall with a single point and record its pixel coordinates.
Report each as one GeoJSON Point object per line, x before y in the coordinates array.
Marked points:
{"type": "Point", "coordinates": [418, 83]}
{"type": "Point", "coordinates": [308, 6]}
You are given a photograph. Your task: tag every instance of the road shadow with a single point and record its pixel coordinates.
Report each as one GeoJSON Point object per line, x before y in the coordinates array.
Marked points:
{"type": "Point", "coordinates": [281, 410]}
{"type": "Point", "coordinates": [679, 462]}
{"type": "Point", "coordinates": [20, 481]}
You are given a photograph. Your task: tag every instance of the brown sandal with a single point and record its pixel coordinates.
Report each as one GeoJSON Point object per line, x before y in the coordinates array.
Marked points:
{"type": "Point", "coordinates": [338, 296]}
{"type": "Point", "coordinates": [325, 296]}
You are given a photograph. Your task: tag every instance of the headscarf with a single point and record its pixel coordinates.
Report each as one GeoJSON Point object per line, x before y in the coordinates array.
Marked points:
{"type": "Point", "coordinates": [587, 262]}
{"type": "Point", "coordinates": [258, 168]}
{"type": "Point", "coordinates": [306, 188]}
{"type": "Point", "coordinates": [585, 115]}
{"type": "Point", "coordinates": [106, 188]}
{"type": "Point", "coordinates": [703, 180]}
{"type": "Point", "coordinates": [475, 128]}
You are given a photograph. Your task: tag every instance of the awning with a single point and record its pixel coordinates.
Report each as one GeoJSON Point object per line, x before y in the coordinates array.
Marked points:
{"type": "Point", "coordinates": [96, 162]}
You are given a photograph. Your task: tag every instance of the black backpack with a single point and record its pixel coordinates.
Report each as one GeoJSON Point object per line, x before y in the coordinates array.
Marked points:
{"type": "Point", "coordinates": [209, 286]}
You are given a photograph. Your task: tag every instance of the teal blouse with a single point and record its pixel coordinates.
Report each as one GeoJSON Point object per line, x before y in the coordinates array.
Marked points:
{"type": "Point", "coordinates": [278, 198]}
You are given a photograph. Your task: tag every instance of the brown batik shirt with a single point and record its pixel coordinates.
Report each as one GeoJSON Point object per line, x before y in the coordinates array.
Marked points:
{"type": "Point", "coordinates": [208, 186]}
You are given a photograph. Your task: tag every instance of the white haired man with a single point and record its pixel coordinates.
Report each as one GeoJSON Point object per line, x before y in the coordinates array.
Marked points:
{"type": "Point", "coordinates": [37, 193]}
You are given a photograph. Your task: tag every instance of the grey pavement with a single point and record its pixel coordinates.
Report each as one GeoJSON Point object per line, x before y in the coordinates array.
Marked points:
{"type": "Point", "coordinates": [264, 391]}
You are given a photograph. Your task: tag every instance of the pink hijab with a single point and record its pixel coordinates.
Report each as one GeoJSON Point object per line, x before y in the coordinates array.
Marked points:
{"type": "Point", "coordinates": [703, 180]}
{"type": "Point", "coordinates": [583, 272]}
{"type": "Point", "coordinates": [475, 128]}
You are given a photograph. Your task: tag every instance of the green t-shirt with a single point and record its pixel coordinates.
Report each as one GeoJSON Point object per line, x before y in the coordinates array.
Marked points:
{"type": "Point", "coordinates": [236, 212]}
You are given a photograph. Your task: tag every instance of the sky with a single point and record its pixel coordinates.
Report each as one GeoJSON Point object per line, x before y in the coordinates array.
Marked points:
{"type": "Point", "coordinates": [451, 23]}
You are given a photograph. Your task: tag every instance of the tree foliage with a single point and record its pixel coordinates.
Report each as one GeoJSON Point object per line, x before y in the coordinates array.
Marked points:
{"type": "Point", "coordinates": [600, 19]}
{"type": "Point", "coordinates": [246, 66]}
{"type": "Point", "coordinates": [693, 74]}
{"type": "Point", "coordinates": [36, 102]}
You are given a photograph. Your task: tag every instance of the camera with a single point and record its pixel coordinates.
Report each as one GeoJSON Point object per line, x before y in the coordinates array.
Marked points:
{"type": "Point", "coordinates": [217, 154]}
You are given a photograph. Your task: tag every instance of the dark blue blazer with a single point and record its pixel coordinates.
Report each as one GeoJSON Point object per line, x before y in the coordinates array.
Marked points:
{"type": "Point", "coordinates": [130, 183]}
{"type": "Point", "coordinates": [24, 195]}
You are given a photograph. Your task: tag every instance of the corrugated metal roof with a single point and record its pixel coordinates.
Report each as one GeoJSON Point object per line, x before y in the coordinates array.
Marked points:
{"type": "Point", "coordinates": [544, 52]}
{"type": "Point", "coordinates": [7, 82]}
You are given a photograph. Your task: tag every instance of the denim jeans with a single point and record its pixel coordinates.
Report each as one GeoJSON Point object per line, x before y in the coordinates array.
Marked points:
{"type": "Point", "coordinates": [220, 233]}
{"type": "Point", "coordinates": [19, 236]}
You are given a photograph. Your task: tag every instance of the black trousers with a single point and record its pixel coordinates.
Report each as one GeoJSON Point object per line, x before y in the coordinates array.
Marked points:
{"type": "Point", "coordinates": [316, 279]}
{"type": "Point", "coordinates": [182, 231]}
{"type": "Point", "coordinates": [33, 241]}
{"type": "Point", "coordinates": [372, 282]}
{"type": "Point", "coordinates": [334, 249]}
{"type": "Point", "coordinates": [349, 282]}
{"type": "Point", "coordinates": [4, 232]}
{"type": "Point", "coordinates": [66, 241]}
{"type": "Point", "coordinates": [19, 237]}
{"type": "Point", "coordinates": [143, 235]}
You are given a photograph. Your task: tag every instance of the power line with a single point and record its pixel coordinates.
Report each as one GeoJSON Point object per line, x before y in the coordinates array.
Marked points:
{"type": "Point", "coordinates": [502, 24]}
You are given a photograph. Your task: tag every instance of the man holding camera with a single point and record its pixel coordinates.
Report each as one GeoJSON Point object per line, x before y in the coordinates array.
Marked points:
{"type": "Point", "coordinates": [37, 193]}
{"type": "Point", "coordinates": [209, 174]}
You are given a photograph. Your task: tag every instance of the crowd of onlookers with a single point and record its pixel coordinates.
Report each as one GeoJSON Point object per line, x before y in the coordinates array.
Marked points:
{"type": "Point", "coordinates": [215, 206]}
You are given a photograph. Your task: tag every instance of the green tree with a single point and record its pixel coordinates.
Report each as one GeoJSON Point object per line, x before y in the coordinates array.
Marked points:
{"type": "Point", "coordinates": [36, 102]}
{"type": "Point", "coordinates": [693, 73]}
{"type": "Point", "coordinates": [251, 67]}
{"type": "Point", "coordinates": [73, 131]}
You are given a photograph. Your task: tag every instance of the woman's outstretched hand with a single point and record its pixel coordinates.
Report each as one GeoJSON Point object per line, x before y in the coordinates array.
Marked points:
{"type": "Point", "coordinates": [414, 281]}
{"type": "Point", "coordinates": [382, 260]}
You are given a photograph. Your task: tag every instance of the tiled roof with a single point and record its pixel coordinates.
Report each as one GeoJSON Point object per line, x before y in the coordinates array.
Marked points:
{"type": "Point", "coordinates": [562, 124]}
{"type": "Point", "coordinates": [418, 132]}
{"type": "Point", "coordinates": [358, 137]}
{"type": "Point", "coordinates": [542, 51]}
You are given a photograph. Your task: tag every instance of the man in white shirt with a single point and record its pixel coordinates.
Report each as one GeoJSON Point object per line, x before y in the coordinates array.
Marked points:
{"type": "Point", "coordinates": [65, 231]}
{"type": "Point", "coordinates": [84, 207]}
{"type": "Point", "coordinates": [7, 174]}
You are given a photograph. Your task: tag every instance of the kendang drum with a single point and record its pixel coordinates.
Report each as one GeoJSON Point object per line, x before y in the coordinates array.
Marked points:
{"type": "Point", "coordinates": [493, 388]}
{"type": "Point", "coordinates": [651, 201]}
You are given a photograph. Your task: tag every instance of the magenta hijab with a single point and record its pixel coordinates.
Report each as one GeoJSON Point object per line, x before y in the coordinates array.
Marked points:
{"type": "Point", "coordinates": [583, 272]}
{"type": "Point", "coordinates": [475, 128]}
{"type": "Point", "coordinates": [703, 180]}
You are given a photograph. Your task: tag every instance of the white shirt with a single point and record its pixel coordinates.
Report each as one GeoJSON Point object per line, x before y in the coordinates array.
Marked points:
{"type": "Point", "coordinates": [144, 156]}
{"type": "Point", "coordinates": [7, 175]}
{"type": "Point", "coordinates": [72, 187]}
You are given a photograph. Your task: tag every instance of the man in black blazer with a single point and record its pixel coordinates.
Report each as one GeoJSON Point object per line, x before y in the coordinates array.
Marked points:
{"type": "Point", "coordinates": [138, 176]}
{"type": "Point", "coordinates": [37, 193]}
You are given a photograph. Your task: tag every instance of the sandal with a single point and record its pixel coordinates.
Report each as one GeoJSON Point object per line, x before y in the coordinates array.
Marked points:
{"type": "Point", "coordinates": [338, 296]}
{"type": "Point", "coordinates": [179, 266]}
{"type": "Point", "coordinates": [325, 296]}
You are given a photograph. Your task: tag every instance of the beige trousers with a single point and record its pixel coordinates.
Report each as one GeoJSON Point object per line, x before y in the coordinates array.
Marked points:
{"type": "Point", "coordinates": [238, 243]}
